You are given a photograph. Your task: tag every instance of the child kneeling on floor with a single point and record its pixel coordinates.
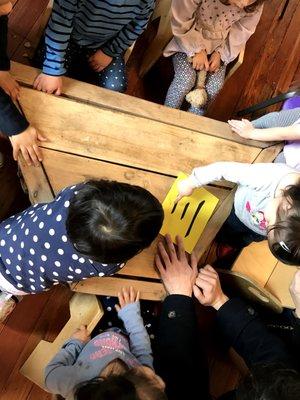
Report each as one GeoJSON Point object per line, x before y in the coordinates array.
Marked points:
{"type": "Point", "coordinates": [116, 364]}
{"type": "Point", "coordinates": [266, 205]}
{"type": "Point", "coordinates": [90, 229]}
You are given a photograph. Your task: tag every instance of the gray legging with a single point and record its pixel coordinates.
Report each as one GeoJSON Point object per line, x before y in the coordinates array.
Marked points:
{"type": "Point", "coordinates": [185, 80]}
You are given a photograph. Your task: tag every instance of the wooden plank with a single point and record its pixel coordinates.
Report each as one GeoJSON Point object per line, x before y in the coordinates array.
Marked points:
{"type": "Point", "coordinates": [269, 154]}
{"type": "Point", "coordinates": [21, 21]}
{"type": "Point", "coordinates": [26, 49]}
{"type": "Point", "coordinates": [108, 135]}
{"type": "Point", "coordinates": [279, 283]}
{"type": "Point", "coordinates": [128, 104]}
{"type": "Point", "coordinates": [111, 286]}
{"type": "Point", "coordinates": [36, 181]}
{"type": "Point", "coordinates": [257, 262]}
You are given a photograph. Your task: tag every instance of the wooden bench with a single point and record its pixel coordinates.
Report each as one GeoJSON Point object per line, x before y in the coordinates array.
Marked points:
{"type": "Point", "coordinates": [93, 132]}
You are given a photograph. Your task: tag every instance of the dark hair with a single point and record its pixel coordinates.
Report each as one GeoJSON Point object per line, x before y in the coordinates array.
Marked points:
{"type": "Point", "coordinates": [270, 382]}
{"type": "Point", "coordinates": [112, 221]}
{"type": "Point", "coordinates": [284, 240]}
{"type": "Point", "coordinates": [129, 386]}
{"type": "Point", "coordinates": [249, 9]}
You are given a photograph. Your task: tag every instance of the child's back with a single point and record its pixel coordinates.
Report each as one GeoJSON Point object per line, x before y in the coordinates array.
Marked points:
{"type": "Point", "coordinates": [69, 239]}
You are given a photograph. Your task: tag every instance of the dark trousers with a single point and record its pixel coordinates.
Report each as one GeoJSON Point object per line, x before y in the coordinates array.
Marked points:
{"type": "Point", "coordinates": [236, 234]}
{"type": "Point", "coordinates": [113, 77]}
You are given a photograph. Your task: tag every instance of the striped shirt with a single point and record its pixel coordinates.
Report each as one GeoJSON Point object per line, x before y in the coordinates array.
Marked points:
{"type": "Point", "coordinates": [109, 25]}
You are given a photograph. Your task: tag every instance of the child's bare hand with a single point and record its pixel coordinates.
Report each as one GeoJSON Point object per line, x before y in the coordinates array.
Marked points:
{"type": "Point", "coordinates": [127, 296]}
{"type": "Point", "coordinates": [48, 84]}
{"type": "Point", "coordinates": [99, 60]}
{"type": "Point", "coordinates": [200, 61]}
{"type": "Point", "coordinates": [295, 292]}
{"type": "Point", "coordinates": [214, 62]}
{"type": "Point", "coordinates": [208, 288]}
{"type": "Point", "coordinates": [82, 334]}
{"type": "Point", "coordinates": [185, 188]}
{"type": "Point", "coordinates": [243, 128]}
{"type": "Point", "coordinates": [9, 85]}
{"type": "Point", "coordinates": [27, 143]}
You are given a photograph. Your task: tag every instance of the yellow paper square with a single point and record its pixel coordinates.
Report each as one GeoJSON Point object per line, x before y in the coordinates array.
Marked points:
{"type": "Point", "coordinates": [189, 216]}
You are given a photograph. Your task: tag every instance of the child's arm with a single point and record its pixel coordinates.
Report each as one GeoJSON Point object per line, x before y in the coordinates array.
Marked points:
{"type": "Point", "coordinates": [129, 312]}
{"type": "Point", "coordinates": [58, 374]}
{"type": "Point", "coordinates": [281, 125]}
{"type": "Point", "coordinates": [129, 33]}
{"type": "Point", "coordinates": [57, 38]}
{"type": "Point", "coordinates": [24, 137]}
{"type": "Point", "coordinates": [253, 175]}
{"type": "Point", "coordinates": [238, 35]}
{"type": "Point", "coordinates": [190, 40]}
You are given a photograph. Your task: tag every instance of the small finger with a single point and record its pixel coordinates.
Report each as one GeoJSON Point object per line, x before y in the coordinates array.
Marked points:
{"type": "Point", "coordinates": [117, 307]}
{"type": "Point", "coordinates": [38, 153]}
{"type": "Point", "coordinates": [125, 295]}
{"type": "Point", "coordinates": [198, 294]}
{"type": "Point", "coordinates": [26, 156]}
{"type": "Point", "coordinates": [137, 298]}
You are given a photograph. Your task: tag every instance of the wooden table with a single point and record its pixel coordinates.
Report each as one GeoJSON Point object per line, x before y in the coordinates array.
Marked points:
{"type": "Point", "coordinates": [96, 133]}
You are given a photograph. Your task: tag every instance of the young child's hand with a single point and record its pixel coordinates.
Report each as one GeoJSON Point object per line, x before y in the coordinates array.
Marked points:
{"type": "Point", "coordinates": [200, 61]}
{"type": "Point", "coordinates": [214, 61]}
{"type": "Point", "coordinates": [208, 288]}
{"type": "Point", "coordinates": [185, 188]}
{"type": "Point", "coordinates": [27, 143]}
{"type": "Point", "coordinates": [99, 60]}
{"type": "Point", "coordinates": [9, 85]}
{"type": "Point", "coordinates": [295, 292]}
{"type": "Point", "coordinates": [244, 128]}
{"type": "Point", "coordinates": [127, 296]}
{"type": "Point", "coordinates": [81, 334]}
{"type": "Point", "coordinates": [48, 84]}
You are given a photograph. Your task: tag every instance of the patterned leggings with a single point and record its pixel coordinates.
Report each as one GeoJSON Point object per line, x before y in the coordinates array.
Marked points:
{"type": "Point", "coordinates": [113, 77]}
{"type": "Point", "coordinates": [185, 80]}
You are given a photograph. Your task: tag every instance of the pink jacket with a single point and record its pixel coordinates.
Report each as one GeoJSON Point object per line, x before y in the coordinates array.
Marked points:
{"type": "Point", "coordinates": [210, 25]}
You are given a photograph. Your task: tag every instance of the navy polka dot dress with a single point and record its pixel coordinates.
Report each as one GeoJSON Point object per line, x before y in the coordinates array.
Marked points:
{"type": "Point", "coordinates": [35, 252]}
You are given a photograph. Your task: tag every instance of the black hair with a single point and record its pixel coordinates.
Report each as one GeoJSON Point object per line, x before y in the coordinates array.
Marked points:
{"type": "Point", "coordinates": [111, 221]}
{"type": "Point", "coordinates": [284, 235]}
{"type": "Point", "coordinates": [270, 382]}
{"type": "Point", "coordinates": [132, 385]}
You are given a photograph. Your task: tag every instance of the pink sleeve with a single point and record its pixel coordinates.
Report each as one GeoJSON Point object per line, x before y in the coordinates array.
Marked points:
{"type": "Point", "coordinates": [183, 24]}
{"type": "Point", "coordinates": [238, 35]}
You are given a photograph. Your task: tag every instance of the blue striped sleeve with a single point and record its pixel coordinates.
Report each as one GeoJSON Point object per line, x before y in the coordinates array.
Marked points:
{"type": "Point", "coordinates": [57, 36]}
{"type": "Point", "coordinates": [130, 32]}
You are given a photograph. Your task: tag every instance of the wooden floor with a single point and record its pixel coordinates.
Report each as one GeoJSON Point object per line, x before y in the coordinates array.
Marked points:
{"type": "Point", "coordinates": [42, 316]}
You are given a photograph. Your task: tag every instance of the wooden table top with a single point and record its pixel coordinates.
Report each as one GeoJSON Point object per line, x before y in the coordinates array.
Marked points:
{"type": "Point", "coordinates": [95, 133]}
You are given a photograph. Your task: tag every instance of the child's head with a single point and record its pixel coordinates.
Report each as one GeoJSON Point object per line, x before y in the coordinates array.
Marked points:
{"type": "Point", "coordinates": [5, 7]}
{"type": "Point", "coordinates": [112, 221]}
{"type": "Point", "coordinates": [270, 382]}
{"type": "Point", "coordinates": [247, 5]}
{"type": "Point", "coordinates": [283, 217]}
{"type": "Point", "coordinates": [135, 384]}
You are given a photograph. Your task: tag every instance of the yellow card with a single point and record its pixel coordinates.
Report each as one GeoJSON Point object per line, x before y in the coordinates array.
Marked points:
{"type": "Point", "coordinates": [189, 216]}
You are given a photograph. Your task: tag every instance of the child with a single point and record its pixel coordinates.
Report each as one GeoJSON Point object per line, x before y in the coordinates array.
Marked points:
{"type": "Point", "coordinates": [89, 230]}
{"type": "Point", "coordinates": [24, 137]}
{"type": "Point", "coordinates": [282, 125]}
{"type": "Point", "coordinates": [91, 35]}
{"type": "Point", "coordinates": [212, 33]}
{"type": "Point", "coordinates": [266, 205]}
{"type": "Point", "coordinates": [113, 365]}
